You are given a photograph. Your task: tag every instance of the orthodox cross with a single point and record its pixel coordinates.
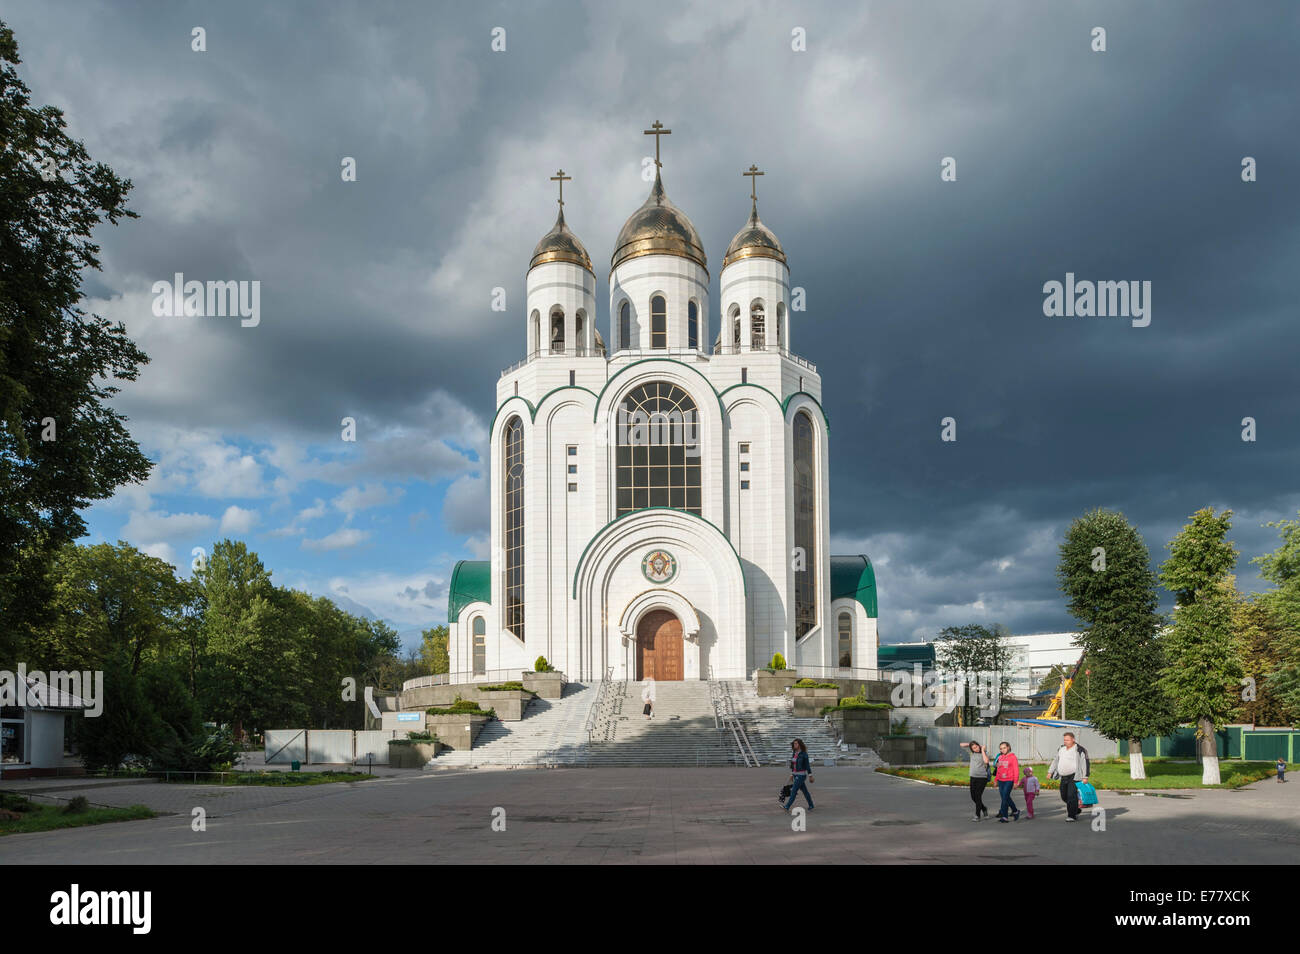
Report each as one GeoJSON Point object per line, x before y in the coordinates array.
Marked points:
{"type": "Point", "coordinates": [561, 178]}
{"type": "Point", "coordinates": [753, 174]}
{"type": "Point", "coordinates": [657, 129]}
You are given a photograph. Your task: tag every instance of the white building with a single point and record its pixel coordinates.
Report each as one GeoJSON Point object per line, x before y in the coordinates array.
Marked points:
{"type": "Point", "coordinates": [1033, 655]}
{"type": "Point", "coordinates": [660, 508]}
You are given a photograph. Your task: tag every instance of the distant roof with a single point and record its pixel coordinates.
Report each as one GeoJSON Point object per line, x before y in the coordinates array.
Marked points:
{"type": "Point", "coordinates": [903, 655]}
{"type": "Point", "coordinates": [853, 578]}
{"type": "Point", "coordinates": [471, 582]}
{"type": "Point", "coordinates": [41, 695]}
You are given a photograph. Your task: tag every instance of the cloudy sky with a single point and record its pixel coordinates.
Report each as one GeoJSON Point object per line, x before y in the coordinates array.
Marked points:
{"type": "Point", "coordinates": [925, 297]}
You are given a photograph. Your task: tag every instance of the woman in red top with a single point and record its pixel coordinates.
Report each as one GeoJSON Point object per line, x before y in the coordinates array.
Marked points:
{"type": "Point", "coordinates": [1007, 776]}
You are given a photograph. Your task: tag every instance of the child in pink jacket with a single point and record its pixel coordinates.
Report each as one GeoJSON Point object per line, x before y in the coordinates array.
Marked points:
{"type": "Point", "coordinates": [1030, 786]}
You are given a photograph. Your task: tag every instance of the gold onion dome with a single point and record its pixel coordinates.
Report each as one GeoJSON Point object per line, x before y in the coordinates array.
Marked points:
{"type": "Point", "coordinates": [560, 245]}
{"type": "Point", "coordinates": [658, 228]}
{"type": "Point", "coordinates": [755, 239]}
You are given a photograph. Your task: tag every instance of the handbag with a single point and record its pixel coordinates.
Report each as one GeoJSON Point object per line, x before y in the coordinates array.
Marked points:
{"type": "Point", "coordinates": [1087, 794]}
{"type": "Point", "coordinates": [785, 793]}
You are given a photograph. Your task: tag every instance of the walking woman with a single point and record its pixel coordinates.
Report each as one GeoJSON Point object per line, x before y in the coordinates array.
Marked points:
{"type": "Point", "coordinates": [800, 773]}
{"type": "Point", "coordinates": [979, 777]}
{"type": "Point", "coordinates": [1008, 776]}
{"type": "Point", "coordinates": [648, 699]}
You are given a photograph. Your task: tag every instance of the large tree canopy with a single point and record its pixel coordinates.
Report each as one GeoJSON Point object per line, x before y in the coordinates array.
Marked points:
{"type": "Point", "coordinates": [61, 445]}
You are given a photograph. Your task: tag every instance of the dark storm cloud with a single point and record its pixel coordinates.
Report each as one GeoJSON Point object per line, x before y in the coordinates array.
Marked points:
{"type": "Point", "coordinates": [925, 297]}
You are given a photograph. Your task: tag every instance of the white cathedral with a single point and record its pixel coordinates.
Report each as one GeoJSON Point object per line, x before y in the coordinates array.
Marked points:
{"type": "Point", "coordinates": [661, 508]}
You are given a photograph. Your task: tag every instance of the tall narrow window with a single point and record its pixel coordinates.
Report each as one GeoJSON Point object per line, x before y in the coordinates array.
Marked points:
{"type": "Point", "coordinates": [579, 344]}
{"type": "Point", "coordinates": [733, 322]}
{"type": "Point", "coordinates": [513, 438]}
{"type": "Point", "coordinates": [757, 326]}
{"type": "Point", "coordinates": [658, 449]}
{"type": "Point", "coordinates": [846, 641]}
{"type": "Point", "coordinates": [557, 332]}
{"type": "Point", "coordinates": [780, 324]}
{"type": "Point", "coordinates": [537, 333]}
{"type": "Point", "coordinates": [805, 525]}
{"type": "Point", "coordinates": [625, 326]}
{"type": "Point", "coordinates": [480, 646]}
{"type": "Point", "coordinates": [693, 326]}
{"type": "Point", "coordinates": [658, 322]}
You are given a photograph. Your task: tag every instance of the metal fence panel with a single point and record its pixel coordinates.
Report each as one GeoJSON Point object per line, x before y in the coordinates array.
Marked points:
{"type": "Point", "coordinates": [329, 746]}
{"type": "Point", "coordinates": [374, 743]}
{"type": "Point", "coordinates": [1030, 743]}
{"type": "Point", "coordinates": [285, 745]}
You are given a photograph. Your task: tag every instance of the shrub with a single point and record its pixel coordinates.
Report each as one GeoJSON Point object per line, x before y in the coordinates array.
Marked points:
{"type": "Point", "coordinates": [462, 707]}
{"type": "Point", "coordinates": [507, 687]}
{"type": "Point", "coordinates": [814, 684]}
{"type": "Point", "coordinates": [778, 662]}
{"type": "Point", "coordinates": [898, 727]}
{"type": "Point", "coordinates": [76, 805]}
{"type": "Point", "coordinates": [541, 665]}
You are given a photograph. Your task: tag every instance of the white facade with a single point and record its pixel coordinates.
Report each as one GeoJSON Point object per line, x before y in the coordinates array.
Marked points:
{"type": "Point", "coordinates": [1033, 656]}
{"type": "Point", "coordinates": [685, 523]}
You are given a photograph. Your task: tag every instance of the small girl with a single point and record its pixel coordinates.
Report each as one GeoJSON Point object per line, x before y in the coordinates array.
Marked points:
{"type": "Point", "coordinates": [1030, 784]}
{"type": "Point", "coordinates": [1281, 769]}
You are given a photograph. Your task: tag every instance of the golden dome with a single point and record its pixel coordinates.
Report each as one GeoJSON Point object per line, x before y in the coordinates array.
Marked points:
{"type": "Point", "coordinates": [754, 239]}
{"type": "Point", "coordinates": [560, 245]}
{"type": "Point", "coordinates": [658, 228]}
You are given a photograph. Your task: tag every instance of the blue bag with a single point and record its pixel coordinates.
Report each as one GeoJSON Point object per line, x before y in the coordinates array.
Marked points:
{"type": "Point", "coordinates": [1087, 794]}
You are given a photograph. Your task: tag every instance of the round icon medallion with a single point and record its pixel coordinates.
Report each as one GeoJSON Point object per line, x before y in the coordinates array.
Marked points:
{"type": "Point", "coordinates": [659, 566]}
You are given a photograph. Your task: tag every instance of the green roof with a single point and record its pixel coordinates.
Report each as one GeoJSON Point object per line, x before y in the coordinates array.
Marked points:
{"type": "Point", "coordinates": [902, 657]}
{"type": "Point", "coordinates": [853, 578]}
{"type": "Point", "coordinates": [471, 582]}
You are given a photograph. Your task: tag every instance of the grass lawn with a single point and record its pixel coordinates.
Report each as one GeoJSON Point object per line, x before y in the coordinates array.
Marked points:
{"type": "Point", "coordinates": [37, 817]}
{"type": "Point", "coordinates": [1113, 774]}
{"type": "Point", "coordinates": [264, 778]}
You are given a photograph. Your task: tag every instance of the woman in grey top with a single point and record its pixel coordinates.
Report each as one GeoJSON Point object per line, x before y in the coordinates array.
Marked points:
{"type": "Point", "coordinates": [979, 776]}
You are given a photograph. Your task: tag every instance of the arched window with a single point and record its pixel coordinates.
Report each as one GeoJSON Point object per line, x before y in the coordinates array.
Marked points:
{"type": "Point", "coordinates": [557, 332]}
{"type": "Point", "coordinates": [537, 332]}
{"type": "Point", "coordinates": [513, 525]}
{"type": "Point", "coordinates": [625, 326]}
{"type": "Point", "coordinates": [692, 326]}
{"type": "Point", "coordinates": [757, 327]}
{"type": "Point", "coordinates": [658, 449]}
{"type": "Point", "coordinates": [580, 343]}
{"type": "Point", "coordinates": [733, 317]}
{"type": "Point", "coordinates": [780, 324]}
{"type": "Point", "coordinates": [480, 646]}
{"type": "Point", "coordinates": [805, 525]}
{"type": "Point", "coordinates": [846, 641]}
{"type": "Point", "coordinates": [658, 322]}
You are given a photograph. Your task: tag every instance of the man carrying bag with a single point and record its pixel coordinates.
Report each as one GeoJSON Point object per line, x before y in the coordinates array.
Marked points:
{"type": "Point", "coordinates": [1071, 763]}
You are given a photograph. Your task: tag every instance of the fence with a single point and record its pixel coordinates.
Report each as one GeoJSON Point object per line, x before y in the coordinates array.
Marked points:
{"type": "Point", "coordinates": [449, 678]}
{"type": "Point", "coordinates": [1030, 743]}
{"type": "Point", "coordinates": [329, 746]}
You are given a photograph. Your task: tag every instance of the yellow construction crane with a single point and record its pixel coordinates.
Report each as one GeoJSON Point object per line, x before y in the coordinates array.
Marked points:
{"type": "Point", "coordinates": [1059, 699]}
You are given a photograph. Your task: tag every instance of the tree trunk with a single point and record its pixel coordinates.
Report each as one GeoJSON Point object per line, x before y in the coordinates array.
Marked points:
{"type": "Point", "coordinates": [1209, 752]}
{"type": "Point", "coordinates": [1136, 767]}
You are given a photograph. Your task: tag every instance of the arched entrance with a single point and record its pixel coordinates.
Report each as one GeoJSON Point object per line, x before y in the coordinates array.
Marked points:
{"type": "Point", "coordinates": [659, 647]}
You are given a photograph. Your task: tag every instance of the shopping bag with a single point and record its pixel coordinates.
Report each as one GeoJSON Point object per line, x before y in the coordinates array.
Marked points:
{"type": "Point", "coordinates": [1087, 794]}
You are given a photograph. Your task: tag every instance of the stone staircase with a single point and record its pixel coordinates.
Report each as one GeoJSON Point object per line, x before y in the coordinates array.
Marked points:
{"type": "Point", "coordinates": [551, 733]}
{"type": "Point", "coordinates": [683, 731]}
{"type": "Point", "coordinates": [771, 727]}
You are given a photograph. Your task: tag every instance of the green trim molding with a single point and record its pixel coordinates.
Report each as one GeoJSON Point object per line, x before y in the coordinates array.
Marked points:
{"type": "Point", "coordinates": [632, 513]}
{"type": "Point", "coordinates": [471, 582]}
{"type": "Point", "coordinates": [853, 578]}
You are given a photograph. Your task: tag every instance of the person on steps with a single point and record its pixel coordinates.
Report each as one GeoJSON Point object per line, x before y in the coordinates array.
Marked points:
{"type": "Point", "coordinates": [648, 699]}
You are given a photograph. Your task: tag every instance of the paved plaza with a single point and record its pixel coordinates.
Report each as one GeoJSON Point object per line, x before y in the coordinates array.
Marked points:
{"type": "Point", "coordinates": [657, 816]}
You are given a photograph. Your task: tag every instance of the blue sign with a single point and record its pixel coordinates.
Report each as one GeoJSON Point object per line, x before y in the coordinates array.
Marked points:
{"type": "Point", "coordinates": [409, 717]}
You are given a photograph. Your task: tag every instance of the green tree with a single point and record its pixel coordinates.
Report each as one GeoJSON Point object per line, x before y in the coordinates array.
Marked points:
{"type": "Point", "coordinates": [1202, 657]}
{"type": "Point", "coordinates": [1278, 659]}
{"type": "Point", "coordinates": [433, 650]}
{"type": "Point", "coordinates": [1105, 573]}
{"type": "Point", "coordinates": [61, 445]}
{"type": "Point", "coordinates": [112, 599]}
{"type": "Point", "coordinates": [975, 654]}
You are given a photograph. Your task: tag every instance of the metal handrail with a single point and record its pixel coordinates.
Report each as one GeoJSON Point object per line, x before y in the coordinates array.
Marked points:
{"type": "Point", "coordinates": [456, 678]}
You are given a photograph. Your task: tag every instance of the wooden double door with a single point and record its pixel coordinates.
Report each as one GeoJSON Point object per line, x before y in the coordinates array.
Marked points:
{"type": "Point", "coordinates": [659, 650]}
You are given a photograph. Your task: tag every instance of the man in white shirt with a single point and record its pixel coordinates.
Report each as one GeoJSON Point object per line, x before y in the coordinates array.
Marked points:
{"type": "Point", "coordinates": [1071, 763]}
